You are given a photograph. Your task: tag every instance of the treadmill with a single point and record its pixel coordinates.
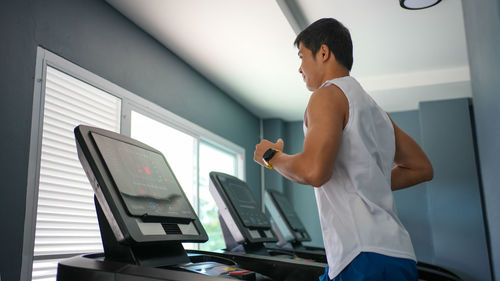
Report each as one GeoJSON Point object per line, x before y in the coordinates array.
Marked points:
{"type": "Point", "coordinates": [144, 216]}
{"type": "Point", "coordinates": [245, 227]}
{"type": "Point", "coordinates": [289, 228]}
{"type": "Point", "coordinates": [245, 230]}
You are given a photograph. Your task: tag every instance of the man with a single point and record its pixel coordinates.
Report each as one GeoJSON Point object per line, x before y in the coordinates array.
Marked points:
{"type": "Point", "coordinates": [354, 155]}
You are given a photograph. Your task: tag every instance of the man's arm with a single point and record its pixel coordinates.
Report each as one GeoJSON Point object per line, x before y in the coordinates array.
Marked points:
{"type": "Point", "coordinates": [412, 165]}
{"type": "Point", "coordinates": [325, 119]}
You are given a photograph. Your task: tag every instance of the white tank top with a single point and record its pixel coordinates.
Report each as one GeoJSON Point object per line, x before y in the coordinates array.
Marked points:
{"type": "Point", "coordinates": [356, 206]}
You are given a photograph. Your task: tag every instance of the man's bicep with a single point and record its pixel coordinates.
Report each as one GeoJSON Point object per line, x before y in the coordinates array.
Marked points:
{"type": "Point", "coordinates": [325, 125]}
{"type": "Point", "coordinates": [322, 140]}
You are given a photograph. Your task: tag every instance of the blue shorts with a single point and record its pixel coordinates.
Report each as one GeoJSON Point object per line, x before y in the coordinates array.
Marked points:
{"type": "Point", "coordinates": [369, 266]}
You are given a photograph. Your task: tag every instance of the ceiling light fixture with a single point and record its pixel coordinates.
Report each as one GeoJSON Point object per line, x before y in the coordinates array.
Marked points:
{"type": "Point", "coordinates": [418, 4]}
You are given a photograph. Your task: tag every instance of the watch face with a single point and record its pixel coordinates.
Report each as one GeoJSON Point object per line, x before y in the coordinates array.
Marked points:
{"type": "Point", "coordinates": [269, 154]}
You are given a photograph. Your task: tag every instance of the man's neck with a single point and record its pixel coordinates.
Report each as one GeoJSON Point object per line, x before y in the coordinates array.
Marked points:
{"type": "Point", "coordinates": [336, 73]}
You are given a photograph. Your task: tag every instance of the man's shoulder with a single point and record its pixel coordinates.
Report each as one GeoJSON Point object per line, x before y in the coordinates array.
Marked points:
{"type": "Point", "coordinates": [328, 94]}
{"type": "Point", "coordinates": [328, 102]}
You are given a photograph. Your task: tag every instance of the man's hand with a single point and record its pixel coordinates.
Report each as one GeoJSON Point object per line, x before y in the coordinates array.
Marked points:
{"type": "Point", "coordinates": [263, 146]}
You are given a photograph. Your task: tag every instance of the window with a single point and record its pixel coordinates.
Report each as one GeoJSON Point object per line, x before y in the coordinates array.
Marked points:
{"type": "Point", "coordinates": [63, 217]}
{"type": "Point", "coordinates": [213, 158]}
{"type": "Point", "coordinates": [66, 222]}
{"type": "Point", "coordinates": [178, 148]}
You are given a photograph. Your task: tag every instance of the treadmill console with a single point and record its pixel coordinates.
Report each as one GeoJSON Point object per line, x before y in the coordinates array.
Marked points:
{"type": "Point", "coordinates": [239, 210]}
{"type": "Point", "coordinates": [136, 189]}
{"type": "Point", "coordinates": [143, 213]}
{"type": "Point", "coordinates": [285, 216]}
{"type": "Point", "coordinates": [145, 183]}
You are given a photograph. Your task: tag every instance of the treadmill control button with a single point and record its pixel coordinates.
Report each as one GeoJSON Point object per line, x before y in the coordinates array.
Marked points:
{"type": "Point", "coordinates": [243, 274]}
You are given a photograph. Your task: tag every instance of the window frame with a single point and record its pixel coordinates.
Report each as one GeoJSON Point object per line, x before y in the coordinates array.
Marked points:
{"type": "Point", "coordinates": [130, 101]}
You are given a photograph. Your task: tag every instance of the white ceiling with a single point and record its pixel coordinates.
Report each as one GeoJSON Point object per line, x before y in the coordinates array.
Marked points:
{"type": "Point", "coordinates": [246, 47]}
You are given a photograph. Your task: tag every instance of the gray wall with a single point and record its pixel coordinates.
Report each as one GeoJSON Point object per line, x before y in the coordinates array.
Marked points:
{"type": "Point", "coordinates": [482, 30]}
{"type": "Point", "coordinates": [411, 203]}
{"type": "Point", "coordinates": [95, 36]}
{"type": "Point", "coordinates": [454, 195]}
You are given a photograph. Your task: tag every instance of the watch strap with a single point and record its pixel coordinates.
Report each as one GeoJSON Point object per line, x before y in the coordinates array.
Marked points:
{"type": "Point", "coordinates": [268, 155]}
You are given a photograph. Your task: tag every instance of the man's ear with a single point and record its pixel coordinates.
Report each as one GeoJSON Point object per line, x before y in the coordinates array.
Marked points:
{"type": "Point", "coordinates": [324, 53]}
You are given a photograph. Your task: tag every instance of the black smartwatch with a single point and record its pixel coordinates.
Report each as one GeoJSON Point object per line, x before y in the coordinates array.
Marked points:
{"type": "Point", "coordinates": [268, 155]}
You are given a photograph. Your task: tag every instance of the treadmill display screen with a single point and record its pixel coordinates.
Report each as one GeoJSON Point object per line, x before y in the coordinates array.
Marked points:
{"type": "Point", "coordinates": [244, 202]}
{"type": "Point", "coordinates": [288, 211]}
{"type": "Point", "coordinates": [144, 180]}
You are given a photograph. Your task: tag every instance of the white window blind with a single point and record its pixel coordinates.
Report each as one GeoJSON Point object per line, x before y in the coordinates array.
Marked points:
{"type": "Point", "coordinates": [66, 222]}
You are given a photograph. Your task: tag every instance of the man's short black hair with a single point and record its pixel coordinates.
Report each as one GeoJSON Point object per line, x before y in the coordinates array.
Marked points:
{"type": "Point", "coordinates": [332, 33]}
